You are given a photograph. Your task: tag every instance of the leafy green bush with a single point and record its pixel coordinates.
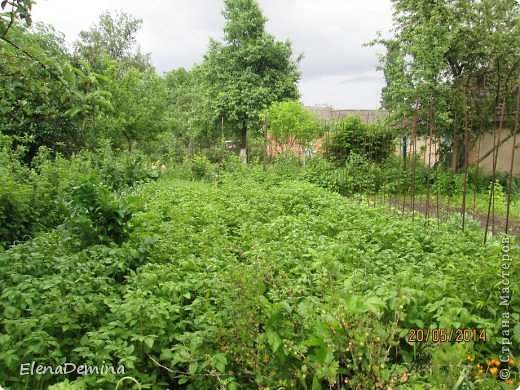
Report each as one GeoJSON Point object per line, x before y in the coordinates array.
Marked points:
{"type": "Point", "coordinates": [120, 171]}
{"type": "Point", "coordinates": [202, 168]}
{"type": "Point", "coordinates": [96, 216]}
{"type": "Point", "coordinates": [34, 199]}
{"type": "Point", "coordinates": [352, 136]}
{"type": "Point", "coordinates": [357, 175]}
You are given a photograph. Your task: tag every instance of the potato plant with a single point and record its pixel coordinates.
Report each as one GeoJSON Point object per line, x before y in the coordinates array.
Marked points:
{"type": "Point", "coordinates": [256, 281]}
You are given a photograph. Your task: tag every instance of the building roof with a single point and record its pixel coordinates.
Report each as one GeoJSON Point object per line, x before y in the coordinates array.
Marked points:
{"type": "Point", "coordinates": [367, 116]}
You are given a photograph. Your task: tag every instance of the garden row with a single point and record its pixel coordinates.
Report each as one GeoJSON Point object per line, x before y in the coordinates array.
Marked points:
{"type": "Point", "coordinates": [252, 281]}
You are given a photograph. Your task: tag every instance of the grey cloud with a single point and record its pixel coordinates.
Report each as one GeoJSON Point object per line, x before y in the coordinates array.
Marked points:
{"type": "Point", "coordinates": [330, 33]}
{"type": "Point", "coordinates": [362, 78]}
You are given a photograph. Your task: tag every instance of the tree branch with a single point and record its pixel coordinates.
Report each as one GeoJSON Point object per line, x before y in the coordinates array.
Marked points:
{"type": "Point", "coordinates": [503, 141]}
{"type": "Point", "coordinates": [45, 67]}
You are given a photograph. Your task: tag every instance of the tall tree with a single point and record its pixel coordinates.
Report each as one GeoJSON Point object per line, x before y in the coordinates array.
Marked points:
{"type": "Point", "coordinates": [114, 38]}
{"type": "Point", "coordinates": [188, 111]}
{"type": "Point", "coordinates": [248, 70]}
{"type": "Point", "coordinates": [138, 100]}
{"type": "Point", "coordinates": [450, 64]}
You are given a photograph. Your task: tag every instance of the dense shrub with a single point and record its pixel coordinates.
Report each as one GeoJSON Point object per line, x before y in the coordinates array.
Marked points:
{"type": "Point", "coordinates": [202, 168]}
{"type": "Point", "coordinates": [352, 136]}
{"type": "Point", "coordinates": [34, 199]}
{"type": "Point", "coordinates": [95, 215]}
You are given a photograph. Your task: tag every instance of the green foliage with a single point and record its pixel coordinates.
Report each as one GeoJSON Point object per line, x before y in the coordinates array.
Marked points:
{"type": "Point", "coordinates": [120, 171]}
{"type": "Point", "coordinates": [257, 282]}
{"type": "Point", "coordinates": [138, 102]}
{"type": "Point", "coordinates": [44, 97]}
{"type": "Point", "coordinates": [248, 71]}
{"type": "Point", "coordinates": [240, 277]}
{"type": "Point", "coordinates": [449, 65]}
{"type": "Point", "coordinates": [391, 178]}
{"type": "Point", "coordinates": [17, 10]}
{"type": "Point", "coordinates": [290, 123]}
{"type": "Point", "coordinates": [447, 182]}
{"type": "Point", "coordinates": [39, 198]}
{"type": "Point", "coordinates": [96, 216]}
{"type": "Point", "coordinates": [188, 115]}
{"type": "Point", "coordinates": [202, 168]}
{"type": "Point", "coordinates": [113, 38]}
{"type": "Point", "coordinates": [352, 136]}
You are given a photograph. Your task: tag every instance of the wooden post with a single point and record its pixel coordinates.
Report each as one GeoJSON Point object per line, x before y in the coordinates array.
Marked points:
{"type": "Point", "coordinates": [495, 158]}
{"type": "Point", "coordinates": [510, 184]}
{"type": "Point", "coordinates": [429, 164]}
{"type": "Point", "coordinates": [414, 166]}
{"type": "Point", "coordinates": [476, 177]}
{"type": "Point", "coordinates": [466, 156]}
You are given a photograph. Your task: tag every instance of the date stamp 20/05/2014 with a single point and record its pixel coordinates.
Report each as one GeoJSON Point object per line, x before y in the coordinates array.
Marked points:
{"type": "Point", "coordinates": [443, 335]}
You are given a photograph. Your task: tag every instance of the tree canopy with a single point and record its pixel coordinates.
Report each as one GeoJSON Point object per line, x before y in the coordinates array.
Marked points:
{"type": "Point", "coordinates": [45, 99]}
{"type": "Point", "coordinates": [248, 70]}
{"type": "Point", "coordinates": [138, 101]}
{"type": "Point", "coordinates": [451, 64]}
{"type": "Point", "coordinates": [113, 37]}
{"type": "Point", "coordinates": [290, 123]}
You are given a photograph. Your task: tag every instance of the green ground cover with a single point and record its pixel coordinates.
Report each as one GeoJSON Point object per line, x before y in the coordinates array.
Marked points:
{"type": "Point", "coordinates": [255, 281]}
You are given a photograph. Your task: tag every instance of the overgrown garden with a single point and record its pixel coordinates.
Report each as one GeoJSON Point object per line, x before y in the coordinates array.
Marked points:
{"type": "Point", "coordinates": [202, 229]}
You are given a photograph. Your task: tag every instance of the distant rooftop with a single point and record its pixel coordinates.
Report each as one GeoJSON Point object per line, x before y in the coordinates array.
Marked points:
{"type": "Point", "coordinates": [367, 116]}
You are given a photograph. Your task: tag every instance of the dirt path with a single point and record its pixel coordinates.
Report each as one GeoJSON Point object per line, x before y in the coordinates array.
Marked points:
{"type": "Point", "coordinates": [497, 225]}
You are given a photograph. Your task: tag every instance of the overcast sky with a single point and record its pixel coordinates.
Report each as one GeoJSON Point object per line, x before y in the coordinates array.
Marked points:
{"type": "Point", "coordinates": [336, 69]}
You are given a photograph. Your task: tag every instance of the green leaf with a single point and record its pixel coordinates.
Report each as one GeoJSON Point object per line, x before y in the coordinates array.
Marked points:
{"type": "Point", "coordinates": [316, 383]}
{"type": "Point", "coordinates": [193, 367]}
{"type": "Point", "coordinates": [149, 340]}
{"type": "Point", "coordinates": [220, 361]}
{"type": "Point", "coordinates": [73, 112]}
{"type": "Point", "coordinates": [273, 339]}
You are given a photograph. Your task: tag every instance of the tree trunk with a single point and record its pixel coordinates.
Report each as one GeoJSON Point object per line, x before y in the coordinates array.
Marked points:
{"type": "Point", "coordinates": [455, 150]}
{"type": "Point", "coordinates": [129, 141]}
{"type": "Point", "coordinates": [243, 142]}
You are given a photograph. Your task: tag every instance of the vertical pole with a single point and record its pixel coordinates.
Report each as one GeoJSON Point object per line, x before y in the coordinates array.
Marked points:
{"type": "Point", "coordinates": [510, 184]}
{"type": "Point", "coordinates": [368, 157]}
{"type": "Point", "coordinates": [436, 177]}
{"type": "Point", "coordinates": [495, 158]}
{"type": "Point", "coordinates": [399, 183]}
{"type": "Point", "coordinates": [465, 185]}
{"type": "Point", "coordinates": [382, 178]}
{"type": "Point", "coordinates": [405, 177]}
{"type": "Point", "coordinates": [264, 165]}
{"type": "Point", "coordinates": [454, 164]}
{"type": "Point", "coordinates": [223, 138]}
{"type": "Point", "coordinates": [429, 165]}
{"type": "Point", "coordinates": [362, 176]}
{"type": "Point", "coordinates": [405, 181]}
{"type": "Point", "coordinates": [476, 176]}
{"type": "Point", "coordinates": [410, 143]}
{"type": "Point", "coordinates": [466, 155]}
{"type": "Point", "coordinates": [414, 167]}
